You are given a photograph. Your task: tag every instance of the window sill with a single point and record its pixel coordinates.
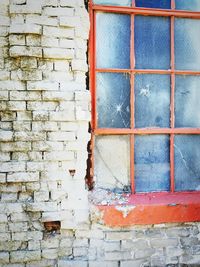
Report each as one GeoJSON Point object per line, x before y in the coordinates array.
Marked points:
{"type": "Point", "coordinates": [151, 208]}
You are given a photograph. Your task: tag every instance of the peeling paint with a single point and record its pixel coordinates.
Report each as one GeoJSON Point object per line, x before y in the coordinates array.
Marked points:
{"type": "Point", "coordinates": [125, 209]}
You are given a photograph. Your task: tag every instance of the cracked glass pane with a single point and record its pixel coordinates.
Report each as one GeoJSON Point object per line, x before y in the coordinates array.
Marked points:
{"type": "Point", "coordinates": [187, 158]}
{"type": "Point", "coordinates": [113, 100]}
{"type": "Point", "coordinates": [113, 40]}
{"type": "Point", "coordinates": [165, 4]}
{"type": "Point", "coordinates": [152, 100]}
{"type": "Point", "coordinates": [152, 169]}
{"type": "Point", "coordinates": [152, 42]}
{"type": "Point", "coordinates": [187, 44]}
{"type": "Point", "coordinates": [113, 2]}
{"type": "Point", "coordinates": [112, 162]}
{"type": "Point", "coordinates": [187, 101]}
{"type": "Point", "coordinates": [193, 5]}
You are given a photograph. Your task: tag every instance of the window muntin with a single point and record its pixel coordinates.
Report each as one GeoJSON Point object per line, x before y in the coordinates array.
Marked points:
{"type": "Point", "coordinates": [140, 131]}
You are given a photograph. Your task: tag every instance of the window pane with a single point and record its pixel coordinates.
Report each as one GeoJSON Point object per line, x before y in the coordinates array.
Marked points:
{"type": "Point", "coordinates": [113, 100]}
{"type": "Point", "coordinates": [187, 101]}
{"type": "Point", "coordinates": [152, 100]}
{"type": "Point", "coordinates": [187, 158]}
{"type": "Point", "coordinates": [113, 2]}
{"type": "Point", "coordinates": [152, 42]}
{"type": "Point", "coordinates": [112, 162]}
{"type": "Point", "coordinates": [113, 40]}
{"type": "Point", "coordinates": [153, 3]}
{"type": "Point", "coordinates": [193, 5]}
{"type": "Point", "coordinates": [152, 163]}
{"type": "Point", "coordinates": [187, 44]}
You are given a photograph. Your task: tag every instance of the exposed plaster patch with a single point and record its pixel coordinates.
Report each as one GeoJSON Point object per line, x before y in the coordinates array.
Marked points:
{"type": "Point", "coordinates": [125, 209]}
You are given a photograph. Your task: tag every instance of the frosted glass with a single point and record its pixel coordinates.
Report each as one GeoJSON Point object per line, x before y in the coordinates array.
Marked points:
{"type": "Point", "coordinates": [113, 40]}
{"type": "Point", "coordinates": [187, 44]}
{"type": "Point", "coordinates": [164, 4]}
{"type": "Point", "coordinates": [152, 172]}
{"type": "Point", "coordinates": [187, 101]}
{"type": "Point", "coordinates": [113, 100]}
{"type": "Point", "coordinates": [187, 158]}
{"type": "Point", "coordinates": [113, 2]}
{"type": "Point", "coordinates": [152, 42]}
{"type": "Point", "coordinates": [112, 162]}
{"type": "Point", "coordinates": [193, 5]}
{"type": "Point", "coordinates": [152, 100]}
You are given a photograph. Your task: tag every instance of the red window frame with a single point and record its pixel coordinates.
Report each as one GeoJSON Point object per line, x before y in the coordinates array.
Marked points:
{"type": "Point", "coordinates": [144, 208]}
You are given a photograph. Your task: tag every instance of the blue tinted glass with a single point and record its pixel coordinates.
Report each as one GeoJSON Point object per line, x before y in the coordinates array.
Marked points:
{"type": "Point", "coordinates": [153, 3]}
{"type": "Point", "coordinates": [113, 2]}
{"type": "Point", "coordinates": [187, 44]}
{"type": "Point", "coordinates": [113, 40]}
{"type": "Point", "coordinates": [152, 42]}
{"type": "Point", "coordinates": [152, 163]}
{"type": "Point", "coordinates": [187, 101]}
{"type": "Point", "coordinates": [193, 5]}
{"type": "Point", "coordinates": [113, 100]}
{"type": "Point", "coordinates": [152, 100]}
{"type": "Point", "coordinates": [187, 158]}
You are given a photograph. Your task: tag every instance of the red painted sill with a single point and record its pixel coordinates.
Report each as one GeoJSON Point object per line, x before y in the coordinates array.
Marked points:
{"type": "Point", "coordinates": [153, 208]}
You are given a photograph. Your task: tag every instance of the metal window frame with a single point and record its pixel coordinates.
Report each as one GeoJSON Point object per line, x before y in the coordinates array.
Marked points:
{"type": "Point", "coordinates": [132, 11]}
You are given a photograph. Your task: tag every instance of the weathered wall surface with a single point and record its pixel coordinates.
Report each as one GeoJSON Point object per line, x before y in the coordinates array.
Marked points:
{"type": "Point", "coordinates": [45, 110]}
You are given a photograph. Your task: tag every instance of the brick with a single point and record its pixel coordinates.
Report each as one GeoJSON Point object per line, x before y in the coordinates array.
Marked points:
{"type": "Point", "coordinates": [41, 196]}
{"type": "Point", "coordinates": [47, 146]}
{"type": "Point", "coordinates": [12, 166]}
{"type": "Point", "coordinates": [33, 40]}
{"type": "Point", "coordinates": [62, 116]}
{"type": "Point", "coordinates": [58, 32]}
{"type": "Point", "coordinates": [16, 39]}
{"type": "Point", "coordinates": [70, 22]}
{"type": "Point", "coordinates": [61, 136]}
{"type": "Point", "coordinates": [3, 95]}
{"type": "Point", "coordinates": [23, 177]}
{"type": "Point", "coordinates": [68, 263]}
{"type": "Point", "coordinates": [28, 63]}
{"type": "Point", "coordinates": [27, 75]}
{"type": "Point", "coordinates": [34, 245]}
{"type": "Point", "coordinates": [59, 155]}
{"type": "Point", "coordinates": [43, 86]}
{"type": "Point", "coordinates": [23, 95]}
{"type": "Point", "coordinates": [4, 257]}
{"type": "Point", "coordinates": [42, 206]}
{"type": "Point", "coordinates": [161, 242]}
{"type": "Point", "coordinates": [61, 65]}
{"type": "Point", "coordinates": [79, 65]}
{"type": "Point", "coordinates": [51, 11]}
{"type": "Point", "coordinates": [106, 264]}
{"type": "Point", "coordinates": [6, 136]}
{"type": "Point", "coordinates": [49, 41]}
{"type": "Point", "coordinates": [25, 28]}
{"type": "Point", "coordinates": [24, 116]}
{"type": "Point", "coordinates": [10, 245]}
{"type": "Point", "coordinates": [36, 105]}
{"type": "Point", "coordinates": [15, 146]}
{"type": "Point", "coordinates": [118, 235]}
{"type": "Point", "coordinates": [29, 136]}
{"type": "Point", "coordinates": [12, 85]}
{"type": "Point", "coordinates": [24, 256]}
{"type": "Point", "coordinates": [25, 9]}
{"type": "Point", "coordinates": [16, 105]}
{"type": "Point", "coordinates": [17, 51]}
{"type": "Point", "coordinates": [45, 126]}
{"type": "Point", "coordinates": [18, 227]}
{"type": "Point", "coordinates": [67, 43]}
{"type": "Point", "coordinates": [4, 21]}
{"type": "Point", "coordinates": [2, 180]}
{"type": "Point", "coordinates": [58, 53]}
{"type": "Point", "coordinates": [50, 253]}
{"type": "Point", "coordinates": [41, 20]}
{"type": "Point", "coordinates": [11, 207]}
{"type": "Point", "coordinates": [9, 197]}
{"type": "Point", "coordinates": [40, 115]}
{"type": "Point", "coordinates": [118, 255]}
{"type": "Point", "coordinates": [5, 236]}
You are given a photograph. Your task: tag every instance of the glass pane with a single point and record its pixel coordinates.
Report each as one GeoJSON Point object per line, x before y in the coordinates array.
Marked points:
{"type": "Point", "coordinates": [153, 3]}
{"type": "Point", "coordinates": [113, 2]}
{"type": "Point", "coordinates": [193, 5]}
{"type": "Point", "coordinates": [152, 100]}
{"type": "Point", "coordinates": [113, 100]}
{"type": "Point", "coordinates": [152, 172]}
{"type": "Point", "coordinates": [113, 40]}
{"type": "Point", "coordinates": [187, 101]}
{"type": "Point", "coordinates": [152, 42]}
{"type": "Point", "coordinates": [112, 162]}
{"type": "Point", "coordinates": [187, 158]}
{"type": "Point", "coordinates": [187, 44]}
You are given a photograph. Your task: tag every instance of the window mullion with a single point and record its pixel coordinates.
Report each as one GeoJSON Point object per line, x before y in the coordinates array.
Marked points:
{"type": "Point", "coordinates": [172, 183]}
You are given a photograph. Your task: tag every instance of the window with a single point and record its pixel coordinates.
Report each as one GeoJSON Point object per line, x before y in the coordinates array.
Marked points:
{"type": "Point", "coordinates": [145, 82]}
